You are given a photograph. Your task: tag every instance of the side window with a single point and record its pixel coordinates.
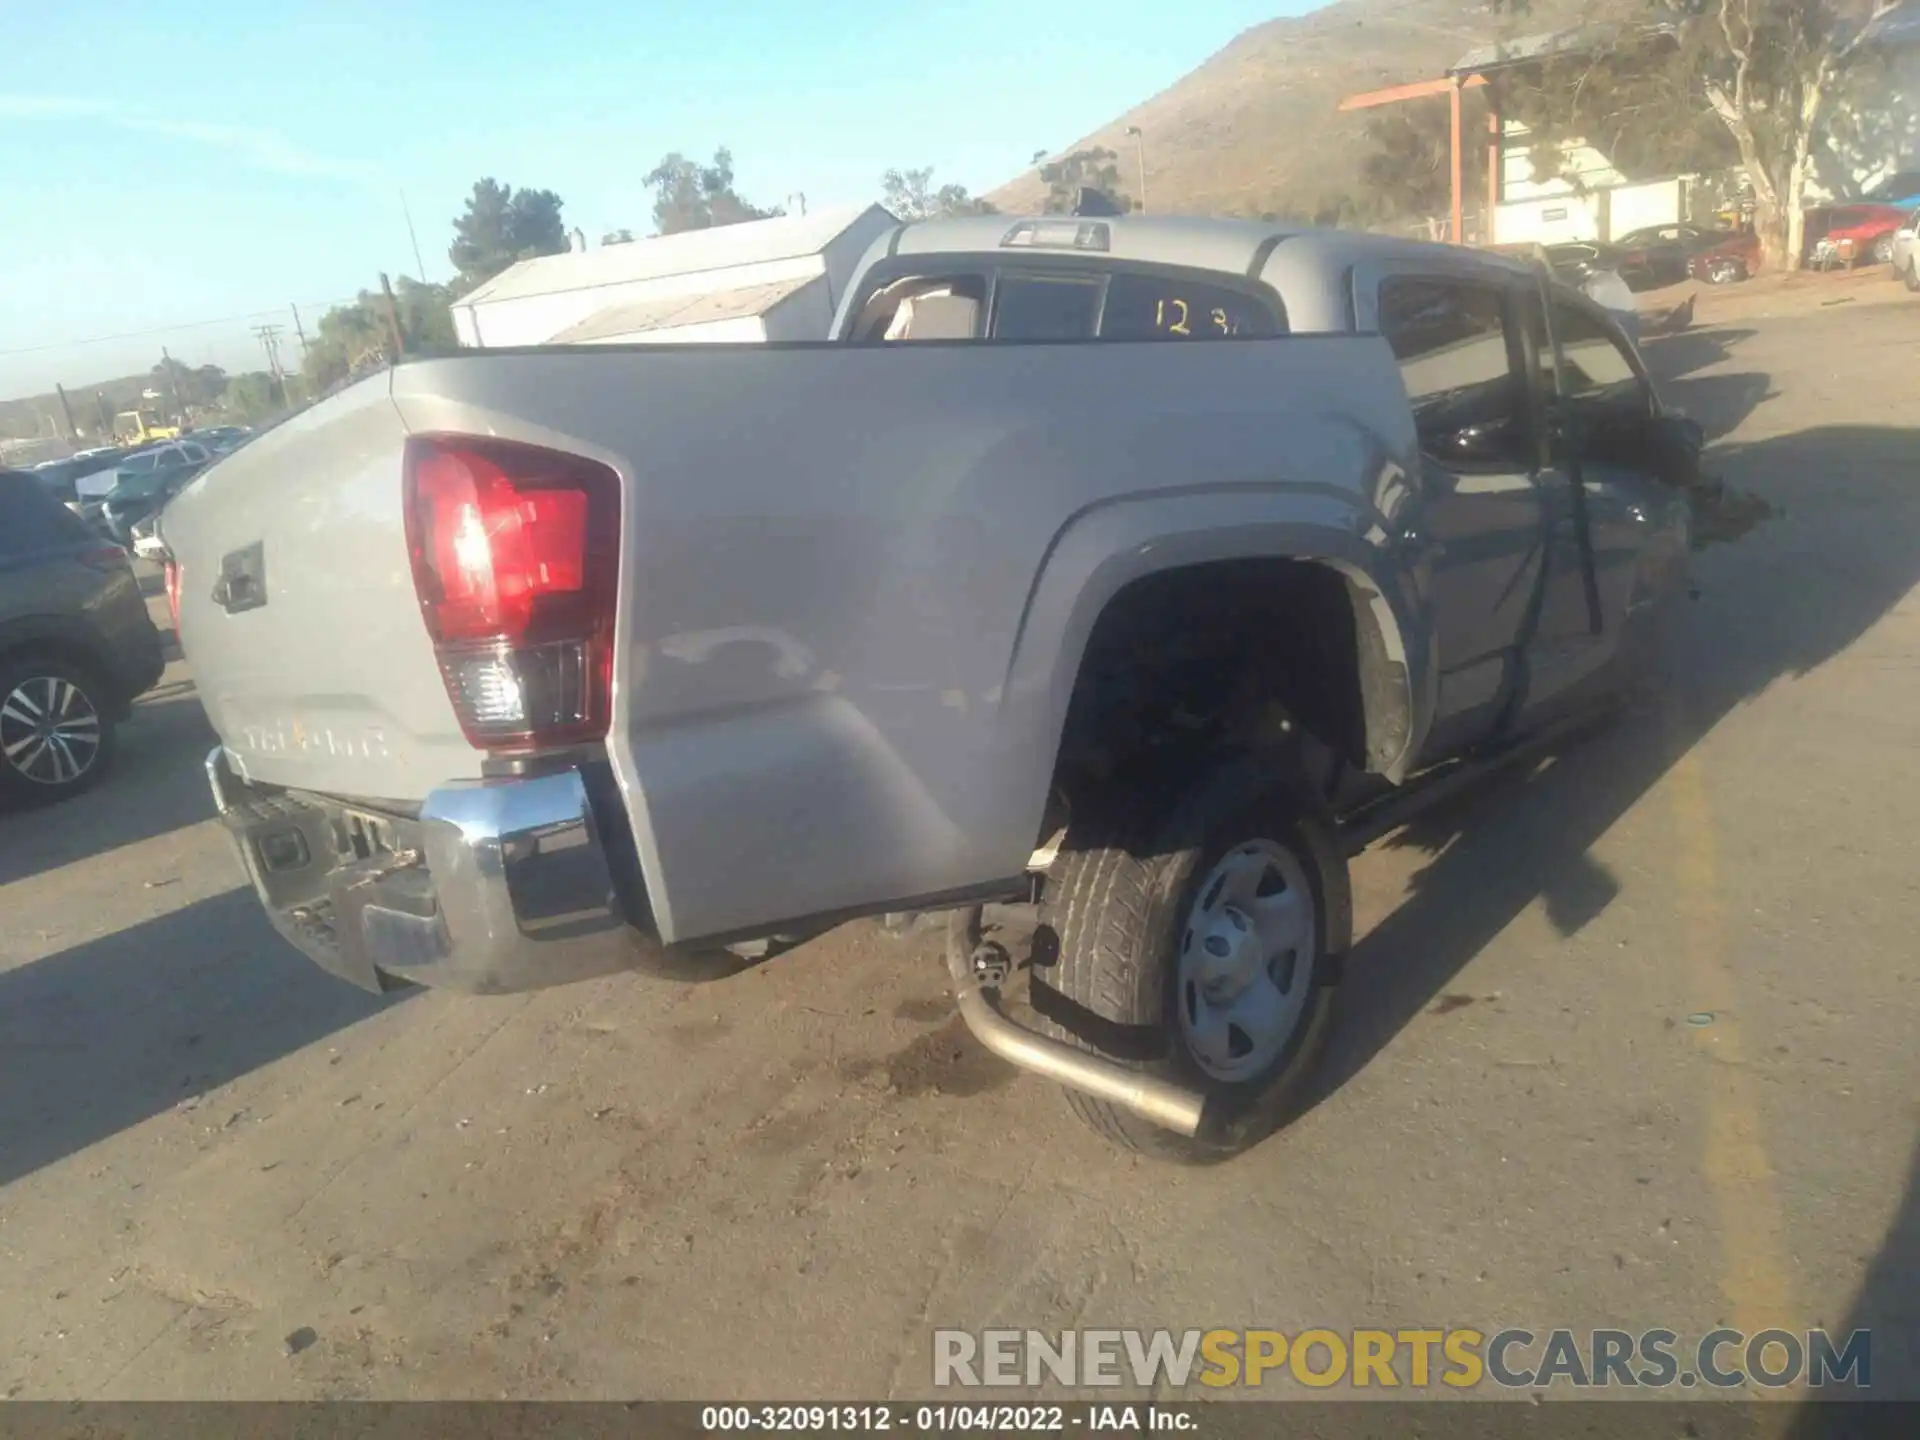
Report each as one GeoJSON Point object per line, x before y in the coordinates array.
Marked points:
{"type": "Point", "coordinates": [1598, 371]}
{"type": "Point", "coordinates": [1148, 307]}
{"type": "Point", "coordinates": [922, 307]}
{"type": "Point", "coordinates": [1045, 307]}
{"type": "Point", "coordinates": [1450, 337]}
{"type": "Point", "coordinates": [1610, 402]}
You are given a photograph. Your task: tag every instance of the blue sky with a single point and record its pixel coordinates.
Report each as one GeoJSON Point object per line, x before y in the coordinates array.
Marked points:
{"type": "Point", "coordinates": [169, 163]}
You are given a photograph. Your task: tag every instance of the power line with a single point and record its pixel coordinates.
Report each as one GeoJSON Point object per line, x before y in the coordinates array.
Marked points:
{"type": "Point", "coordinates": [168, 329]}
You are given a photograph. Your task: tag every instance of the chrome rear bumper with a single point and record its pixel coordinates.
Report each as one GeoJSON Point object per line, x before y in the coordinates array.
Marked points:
{"type": "Point", "coordinates": [497, 886]}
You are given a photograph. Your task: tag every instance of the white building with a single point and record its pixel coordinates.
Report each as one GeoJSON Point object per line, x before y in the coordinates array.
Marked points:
{"type": "Point", "coordinates": [774, 279]}
{"type": "Point", "coordinates": [1587, 200]}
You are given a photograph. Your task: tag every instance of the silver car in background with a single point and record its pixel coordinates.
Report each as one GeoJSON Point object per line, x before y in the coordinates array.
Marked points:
{"type": "Point", "coordinates": [1906, 251]}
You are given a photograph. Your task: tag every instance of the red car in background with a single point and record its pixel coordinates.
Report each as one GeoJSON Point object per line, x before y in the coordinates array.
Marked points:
{"type": "Point", "coordinates": [1737, 257]}
{"type": "Point", "coordinates": [1858, 232]}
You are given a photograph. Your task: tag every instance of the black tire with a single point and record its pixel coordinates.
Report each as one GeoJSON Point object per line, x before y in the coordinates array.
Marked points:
{"type": "Point", "coordinates": [31, 774]}
{"type": "Point", "coordinates": [1882, 250]}
{"type": "Point", "coordinates": [1913, 271]}
{"type": "Point", "coordinates": [1118, 900]}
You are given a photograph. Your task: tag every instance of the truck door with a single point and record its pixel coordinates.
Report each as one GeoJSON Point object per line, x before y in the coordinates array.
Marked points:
{"type": "Point", "coordinates": [1597, 438]}
{"type": "Point", "coordinates": [1458, 343]}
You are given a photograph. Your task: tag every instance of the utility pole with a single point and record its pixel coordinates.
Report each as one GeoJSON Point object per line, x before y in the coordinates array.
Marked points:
{"type": "Point", "coordinates": [419, 265]}
{"type": "Point", "coordinates": [299, 331]}
{"type": "Point", "coordinates": [173, 389]}
{"type": "Point", "coordinates": [393, 317]}
{"type": "Point", "coordinates": [1140, 150]}
{"type": "Point", "coordinates": [73, 430]}
{"type": "Point", "coordinates": [269, 337]}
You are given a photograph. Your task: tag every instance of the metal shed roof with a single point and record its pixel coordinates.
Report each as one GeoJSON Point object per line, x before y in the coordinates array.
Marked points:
{"type": "Point", "coordinates": [669, 312]}
{"type": "Point", "coordinates": [689, 252]}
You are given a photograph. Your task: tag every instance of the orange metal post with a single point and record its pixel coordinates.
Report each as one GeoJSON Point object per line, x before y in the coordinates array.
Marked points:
{"type": "Point", "coordinates": [1459, 235]}
{"type": "Point", "coordinates": [1496, 161]}
{"type": "Point", "coordinates": [1418, 90]}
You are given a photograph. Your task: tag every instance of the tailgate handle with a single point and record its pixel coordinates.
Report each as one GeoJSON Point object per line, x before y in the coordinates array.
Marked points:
{"type": "Point", "coordinates": [243, 579]}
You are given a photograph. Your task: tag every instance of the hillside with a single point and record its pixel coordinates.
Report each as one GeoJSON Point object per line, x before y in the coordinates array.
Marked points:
{"type": "Point", "coordinates": [22, 418]}
{"type": "Point", "coordinates": [1255, 128]}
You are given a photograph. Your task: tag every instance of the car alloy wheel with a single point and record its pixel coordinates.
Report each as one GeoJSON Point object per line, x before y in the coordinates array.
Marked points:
{"type": "Point", "coordinates": [49, 731]}
{"type": "Point", "coordinates": [1883, 250]}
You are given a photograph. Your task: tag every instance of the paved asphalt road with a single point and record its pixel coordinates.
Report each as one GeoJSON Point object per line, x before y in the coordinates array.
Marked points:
{"type": "Point", "coordinates": [1629, 1040]}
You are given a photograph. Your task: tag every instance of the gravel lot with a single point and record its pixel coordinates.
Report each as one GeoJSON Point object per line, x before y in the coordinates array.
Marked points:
{"type": "Point", "coordinates": [777, 1185]}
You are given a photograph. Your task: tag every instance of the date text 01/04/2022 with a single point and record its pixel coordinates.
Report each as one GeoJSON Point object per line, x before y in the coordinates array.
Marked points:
{"type": "Point", "coordinates": [945, 1418]}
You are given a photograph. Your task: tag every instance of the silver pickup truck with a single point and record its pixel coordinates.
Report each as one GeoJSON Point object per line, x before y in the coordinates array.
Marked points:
{"type": "Point", "coordinates": [1101, 584]}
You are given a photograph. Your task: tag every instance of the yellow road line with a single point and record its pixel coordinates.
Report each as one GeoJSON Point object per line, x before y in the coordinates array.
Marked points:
{"type": "Point", "coordinates": [1753, 1252]}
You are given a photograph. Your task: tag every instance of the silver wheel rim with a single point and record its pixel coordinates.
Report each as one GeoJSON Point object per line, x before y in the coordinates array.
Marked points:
{"type": "Point", "coordinates": [1247, 957]}
{"type": "Point", "coordinates": [49, 730]}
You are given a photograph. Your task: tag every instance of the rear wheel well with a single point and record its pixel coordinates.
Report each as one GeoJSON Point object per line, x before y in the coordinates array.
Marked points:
{"type": "Point", "coordinates": [1227, 654]}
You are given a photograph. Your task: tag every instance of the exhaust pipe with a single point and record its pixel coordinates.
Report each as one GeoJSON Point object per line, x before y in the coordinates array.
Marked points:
{"type": "Point", "coordinates": [1158, 1102]}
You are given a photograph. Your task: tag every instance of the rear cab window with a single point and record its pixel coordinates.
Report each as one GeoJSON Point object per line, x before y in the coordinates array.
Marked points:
{"type": "Point", "coordinates": [1032, 299]}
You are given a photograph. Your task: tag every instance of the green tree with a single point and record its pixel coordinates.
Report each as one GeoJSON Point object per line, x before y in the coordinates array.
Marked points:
{"type": "Point", "coordinates": [352, 339]}
{"type": "Point", "coordinates": [910, 195]}
{"type": "Point", "coordinates": [1408, 169]}
{"type": "Point", "coordinates": [502, 226]}
{"type": "Point", "coordinates": [253, 396]}
{"type": "Point", "coordinates": [690, 196]}
{"type": "Point", "coordinates": [185, 387]}
{"type": "Point", "coordinates": [1096, 169]}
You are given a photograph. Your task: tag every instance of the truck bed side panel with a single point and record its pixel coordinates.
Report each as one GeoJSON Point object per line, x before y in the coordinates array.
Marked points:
{"type": "Point", "coordinates": [830, 554]}
{"type": "Point", "coordinates": [330, 685]}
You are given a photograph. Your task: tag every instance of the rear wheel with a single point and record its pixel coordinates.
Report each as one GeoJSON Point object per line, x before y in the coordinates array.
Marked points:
{"type": "Point", "coordinates": [56, 736]}
{"type": "Point", "coordinates": [1883, 250]}
{"type": "Point", "coordinates": [1203, 949]}
{"type": "Point", "coordinates": [1913, 271]}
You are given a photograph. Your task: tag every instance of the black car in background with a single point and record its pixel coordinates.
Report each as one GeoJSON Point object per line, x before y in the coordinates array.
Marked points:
{"type": "Point", "coordinates": [1660, 255]}
{"type": "Point", "coordinates": [62, 476]}
{"type": "Point", "coordinates": [1575, 261]}
{"type": "Point", "coordinates": [146, 481]}
{"type": "Point", "coordinates": [76, 644]}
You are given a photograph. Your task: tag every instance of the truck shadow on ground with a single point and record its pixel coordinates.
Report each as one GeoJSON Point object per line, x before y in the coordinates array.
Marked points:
{"type": "Point", "coordinates": [1788, 598]}
{"type": "Point", "coordinates": [157, 785]}
{"type": "Point", "coordinates": [1785, 600]}
{"type": "Point", "coordinates": [1720, 402]}
{"type": "Point", "coordinates": [1889, 1306]}
{"type": "Point", "coordinates": [114, 1031]}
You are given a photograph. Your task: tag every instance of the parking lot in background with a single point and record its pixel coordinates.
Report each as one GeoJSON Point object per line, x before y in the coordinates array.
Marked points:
{"type": "Point", "coordinates": [1628, 1040]}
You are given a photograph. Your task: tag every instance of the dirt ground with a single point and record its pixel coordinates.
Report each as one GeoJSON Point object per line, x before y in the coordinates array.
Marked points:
{"type": "Point", "coordinates": [1628, 1040]}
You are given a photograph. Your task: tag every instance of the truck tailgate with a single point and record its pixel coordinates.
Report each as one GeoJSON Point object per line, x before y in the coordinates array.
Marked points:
{"type": "Point", "coordinates": [298, 613]}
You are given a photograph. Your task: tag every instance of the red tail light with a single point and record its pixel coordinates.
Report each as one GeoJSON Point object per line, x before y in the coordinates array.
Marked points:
{"type": "Point", "coordinates": [515, 559]}
{"type": "Point", "coordinates": [173, 593]}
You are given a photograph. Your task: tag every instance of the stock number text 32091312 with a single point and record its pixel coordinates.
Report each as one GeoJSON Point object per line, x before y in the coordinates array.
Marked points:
{"type": "Point", "coordinates": [906, 1418]}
